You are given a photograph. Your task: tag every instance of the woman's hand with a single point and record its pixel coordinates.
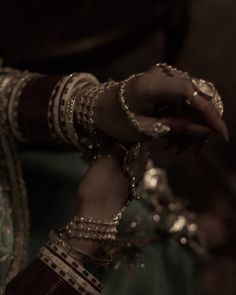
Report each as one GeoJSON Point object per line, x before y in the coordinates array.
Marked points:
{"type": "Point", "coordinates": [103, 191]}
{"type": "Point", "coordinates": [147, 96]}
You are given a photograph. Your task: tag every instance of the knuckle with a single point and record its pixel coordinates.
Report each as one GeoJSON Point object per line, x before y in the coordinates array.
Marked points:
{"type": "Point", "coordinates": [139, 85]}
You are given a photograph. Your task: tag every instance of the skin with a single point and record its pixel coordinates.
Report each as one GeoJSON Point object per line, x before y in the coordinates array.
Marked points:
{"type": "Point", "coordinates": [103, 191]}
{"type": "Point", "coordinates": [146, 92]}
{"type": "Point", "coordinates": [97, 197]}
{"type": "Point", "coordinates": [142, 95]}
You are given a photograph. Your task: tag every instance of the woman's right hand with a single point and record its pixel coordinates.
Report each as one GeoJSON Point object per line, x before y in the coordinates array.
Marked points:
{"type": "Point", "coordinates": [144, 94]}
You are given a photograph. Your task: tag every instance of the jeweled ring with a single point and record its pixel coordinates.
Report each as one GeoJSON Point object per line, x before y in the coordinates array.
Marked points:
{"type": "Point", "coordinates": [208, 90]}
{"type": "Point", "coordinates": [204, 88]}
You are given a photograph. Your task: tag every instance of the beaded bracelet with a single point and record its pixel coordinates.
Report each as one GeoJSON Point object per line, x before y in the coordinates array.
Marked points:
{"type": "Point", "coordinates": [90, 229]}
{"type": "Point", "coordinates": [156, 130]}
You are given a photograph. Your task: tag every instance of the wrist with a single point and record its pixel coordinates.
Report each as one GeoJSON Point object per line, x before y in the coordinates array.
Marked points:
{"type": "Point", "coordinates": [111, 118]}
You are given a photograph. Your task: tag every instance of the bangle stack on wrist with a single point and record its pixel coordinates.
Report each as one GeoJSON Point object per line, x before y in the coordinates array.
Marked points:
{"type": "Point", "coordinates": [57, 237]}
{"type": "Point", "coordinates": [86, 105]}
{"type": "Point", "coordinates": [69, 269]}
{"type": "Point", "coordinates": [79, 228]}
{"type": "Point", "coordinates": [61, 106]}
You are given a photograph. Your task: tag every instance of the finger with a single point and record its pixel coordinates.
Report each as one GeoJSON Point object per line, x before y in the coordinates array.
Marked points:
{"type": "Point", "coordinates": [196, 130]}
{"type": "Point", "coordinates": [149, 127]}
{"type": "Point", "coordinates": [158, 87]}
{"type": "Point", "coordinates": [207, 111]}
{"type": "Point", "coordinates": [210, 115]}
{"type": "Point", "coordinates": [185, 126]}
{"type": "Point", "coordinates": [177, 126]}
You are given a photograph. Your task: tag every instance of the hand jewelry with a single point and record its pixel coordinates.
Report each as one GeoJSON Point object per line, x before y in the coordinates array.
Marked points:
{"type": "Point", "coordinates": [85, 106]}
{"type": "Point", "coordinates": [157, 130]}
{"type": "Point", "coordinates": [90, 229]}
{"type": "Point", "coordinates": [201, 87]}
{"type": "Point", "coordinates": [208, 90]}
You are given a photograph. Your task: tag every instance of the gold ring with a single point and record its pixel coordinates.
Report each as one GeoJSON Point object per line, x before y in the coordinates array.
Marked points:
{"type": "Point", "coordinates": [208, 90]}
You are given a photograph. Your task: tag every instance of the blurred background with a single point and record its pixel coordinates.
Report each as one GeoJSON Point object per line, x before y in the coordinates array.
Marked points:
{"type": "Point", "coordinates": [115, 39]}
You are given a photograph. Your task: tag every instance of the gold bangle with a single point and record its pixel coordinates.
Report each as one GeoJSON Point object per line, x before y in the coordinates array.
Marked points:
{"type": "Point", "coordinates": [57, 236]}
{"type": "Point", "coordinates": [85, 107]}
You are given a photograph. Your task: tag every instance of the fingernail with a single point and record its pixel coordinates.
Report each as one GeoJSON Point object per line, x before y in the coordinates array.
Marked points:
{"type": "Point", "coordinates": [223, 130]}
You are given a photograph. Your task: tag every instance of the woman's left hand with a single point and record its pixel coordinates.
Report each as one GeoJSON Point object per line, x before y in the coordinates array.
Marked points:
{"type": "Point", "coordinates": [146, 95]}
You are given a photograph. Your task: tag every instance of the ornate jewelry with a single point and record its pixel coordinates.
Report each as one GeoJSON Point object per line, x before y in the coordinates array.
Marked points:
{"type": "Point", "coordinates": [157, 130]}
{"type": "Point", "coordinates": [54, 108]}
{"type": "Point", "coordinates": [73, 262]}
{"type": "Point", "coordinates": [172, 71]}
{"type": "Point", "coordinates": [73, 273]}
{"type": "Point", "coordinates": [129, 160]}
{"type": "Point", "coordinates": [208, 90]}
{"type": "Point", "coordinates": [89, 229]}
{"type": "Point", "coordinates": [57, 237]}
{"type": "Point", "coordinates": [85, 108]}
{"type": "Point", "coordinates": [67, 108]}
{"type": "Point", "coordinates": [202, 87]}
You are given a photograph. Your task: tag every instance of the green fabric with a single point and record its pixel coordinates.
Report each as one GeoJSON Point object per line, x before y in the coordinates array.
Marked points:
{"type": "Point", "coordinates": [6, 238]}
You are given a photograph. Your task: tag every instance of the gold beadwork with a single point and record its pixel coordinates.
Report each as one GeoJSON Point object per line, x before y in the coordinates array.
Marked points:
{"type": "Point", "coordinates": [208, 90]}
{"type": "Point", "coordinates": [156, 130]}
{"type": "Point", "coordinates": [90, 229]}
{"type": "Point", "coordinates": [202, 87]}
{"type": "Point", "coordinates": [86, 105]}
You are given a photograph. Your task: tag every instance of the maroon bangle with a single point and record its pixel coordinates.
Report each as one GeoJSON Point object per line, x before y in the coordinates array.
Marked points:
{"type": "Point", "coordinates": [33, 109]}
{"type": "Point", "coordinates": [39, 279]}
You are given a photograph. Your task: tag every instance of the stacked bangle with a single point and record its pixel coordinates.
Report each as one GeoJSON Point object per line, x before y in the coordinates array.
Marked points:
{"type": "Point", "coordinates": [69, 270]}
{"type": "Point", "coordinates": [91, 229]}
{"type": "Point", "coordinates": [61, 106]}
{"type": "Point", "coordinates": [70, 92]}
{"type": "Point", "coordinates": [85, 108]}
{"type": "Point", "coordinates": [57, 237]}
{"type": "Point", "coordinates": [88, 229]}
